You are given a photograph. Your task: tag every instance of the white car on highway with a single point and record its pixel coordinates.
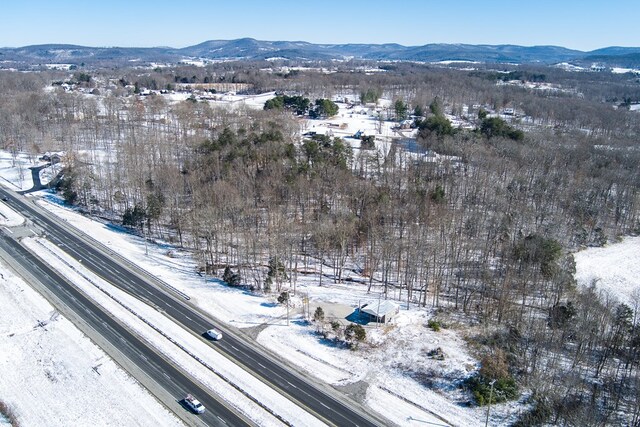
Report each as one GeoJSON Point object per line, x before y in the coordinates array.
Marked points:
{"type": "Point", "coordinates": [214, 334]}
{"type": "Point", "coordinates": [194, 404]}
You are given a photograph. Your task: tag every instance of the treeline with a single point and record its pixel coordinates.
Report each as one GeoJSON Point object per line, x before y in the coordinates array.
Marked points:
{"type": "Point", "coordinates": [302, 106]}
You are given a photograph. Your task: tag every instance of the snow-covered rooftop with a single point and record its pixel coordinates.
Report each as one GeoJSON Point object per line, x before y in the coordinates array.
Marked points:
{"type": "Point", "coordinates": [381, 309]}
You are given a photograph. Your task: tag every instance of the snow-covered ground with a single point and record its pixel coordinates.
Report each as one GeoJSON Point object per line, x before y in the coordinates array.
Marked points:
{"type": "Point", "coordinates": [14, 171]}
{"type": "Point", "coordinates": [228, 100]}
{"type": "Point", "coordinates": [619, 70]}
{"type": "Point", "coordinates": [352, 118]}
{"type": "Point", "coordinates": [614, 268]}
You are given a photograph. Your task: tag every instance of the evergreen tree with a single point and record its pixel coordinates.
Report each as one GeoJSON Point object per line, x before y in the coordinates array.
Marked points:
{"type": "Point", "coordinates": [370, 95]}
{"type": "Point", "coordinates": [318, 315]}
{"type": "Point", "coordinates": [496, 127]}
{"type": "Point", "coordinates": [68, 186]}
{"type": "Point", "coordinates": [276, 273]}
{"type": "Point", "coordinates": [283, 298]}
{"type": "Point", "coordinates": [438, 125]}
{"type": "Point", "coordinates": [436, 107]}
{"type": "Point", "coordinates": [324, 108]}
{"type": "Point", "coordinates": [401, 110]}
{"type": "Point", "coordinates": [231, 278]}
{"type": "Point", "coordinates": [355, 334]}
{"type": "Point", "coordinates": [133, 217]}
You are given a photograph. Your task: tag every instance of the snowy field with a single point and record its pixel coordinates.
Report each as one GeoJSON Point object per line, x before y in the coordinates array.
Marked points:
{"type": "Point", "coordinates": [615, 268]}
{"type": "Point", "coordinates": [227, 100]}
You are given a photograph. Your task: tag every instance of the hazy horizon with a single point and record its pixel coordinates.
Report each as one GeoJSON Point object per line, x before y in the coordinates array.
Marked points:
{"type": "Point", "coordinates": [585, 26]}
{"type": "Point", "coordinates": [295, 41]}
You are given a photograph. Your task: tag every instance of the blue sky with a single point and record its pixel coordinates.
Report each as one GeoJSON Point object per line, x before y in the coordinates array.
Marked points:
{"type": "Point", "coordinates": [584, 25]}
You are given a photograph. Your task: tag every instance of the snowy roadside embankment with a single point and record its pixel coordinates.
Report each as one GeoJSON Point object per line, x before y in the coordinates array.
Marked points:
{"type": "Point", "coordinates": [234, 306]}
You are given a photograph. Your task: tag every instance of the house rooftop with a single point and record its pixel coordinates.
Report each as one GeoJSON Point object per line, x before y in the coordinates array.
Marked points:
{"type": "Point", "coordinates": [383, 309]}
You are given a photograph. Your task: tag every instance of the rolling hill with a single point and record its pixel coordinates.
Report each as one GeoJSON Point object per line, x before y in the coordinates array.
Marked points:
{"type": "Point", "coordinates": [251, 49]}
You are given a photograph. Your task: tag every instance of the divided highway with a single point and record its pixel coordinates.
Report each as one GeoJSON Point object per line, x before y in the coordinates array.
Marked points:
{"type": "Point", "coordinates": [138, 283]}
{"type": "Point", "coordinates": [136, 351]}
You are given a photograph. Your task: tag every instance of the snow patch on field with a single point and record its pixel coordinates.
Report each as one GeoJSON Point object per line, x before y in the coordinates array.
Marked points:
{"type": "Point", "coordinates": [620, 70]}
{"type": "Point", "coordinates": [14, 171]}
{"type": "Point", "coordinates": [615, 269]}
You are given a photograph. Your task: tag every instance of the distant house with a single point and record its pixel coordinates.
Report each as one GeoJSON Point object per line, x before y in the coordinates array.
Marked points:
{"type": "Point", "coordinates": [406, 124]}
{"type": "Point", "coordinates": [381, 312]}
{"type": "Point", "coordinates": [52, 158]}
{"type": "Point", "coordinates": [337, 125]}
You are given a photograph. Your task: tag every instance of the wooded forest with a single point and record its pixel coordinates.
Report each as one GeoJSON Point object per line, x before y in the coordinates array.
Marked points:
{"type": "Point", "coordinates": [483, 232]}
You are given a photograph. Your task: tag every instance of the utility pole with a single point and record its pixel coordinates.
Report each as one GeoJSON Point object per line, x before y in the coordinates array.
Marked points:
{"type": "Point", "coordinates": [144, 237]}
{"type": "Point", "coordinates": [486, 423]}
{"type": "Point", "coordinates": [287, 308]}
{"type": "Point", "coordinates": [305, 306]}
{"type": "Point", "coordinates": [378, 311]}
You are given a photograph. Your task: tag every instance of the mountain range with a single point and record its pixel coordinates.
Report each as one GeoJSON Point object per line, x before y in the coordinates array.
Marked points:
{"type": "Point", "coordinates": [251, 49]}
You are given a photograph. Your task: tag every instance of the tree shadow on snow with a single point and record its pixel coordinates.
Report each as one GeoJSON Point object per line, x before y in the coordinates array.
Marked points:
{"type": "Point", "coordinates": [268, 304]}
{"type": "Point", "coordinates": [358, 317]}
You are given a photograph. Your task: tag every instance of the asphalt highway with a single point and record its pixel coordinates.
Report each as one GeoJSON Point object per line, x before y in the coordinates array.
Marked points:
{"type": "Point", "coordinates": [315, 398]}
